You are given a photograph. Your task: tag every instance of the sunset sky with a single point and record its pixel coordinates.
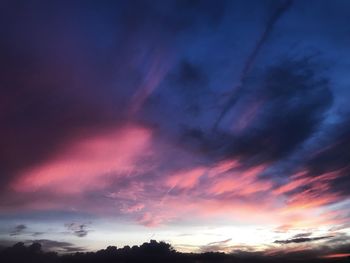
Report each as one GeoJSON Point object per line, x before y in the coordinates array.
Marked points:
{"type": "Point", "coordinates": [211, 125]}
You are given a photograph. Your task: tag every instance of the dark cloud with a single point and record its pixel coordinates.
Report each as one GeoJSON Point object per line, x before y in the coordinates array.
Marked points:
{"type": "Point", "coordinates": [332, 156]}
{"type": "Point", "coordinates": [289, 103]}
{"type": "Point", "coordinates": [272, 20]}
{"type": "Point", "coordinates": [216, 246]}
{"type": "Point", "coordinates": [339, 239]}
{"type": "Point", "coordinates": [302, 235]}
{"type": "Point", "coordinates": [38, 234]}
{"type": "Point", "coordinates": [23, 229]}
{"type": "Point", "coordinates": [312, 253]}
{"type": "Point", "coordinates": [189, 74]}
{"type": "Point", "coordinates": [58, 246]}
{"type": "Point", "coordinates": [18, 230]}
{"type": "Point", "coordinates": [220, 242]}
{"type": "Point", "coordinates": [301, 240]}
{"type": "Point", "coordinates": [79, 230]}
{"type": "Point", "coordinates": [190, 84]}
{"type": "Point", "coordinates": [45, 244]}
{"type": "Point", "coordinates": [294, 106]}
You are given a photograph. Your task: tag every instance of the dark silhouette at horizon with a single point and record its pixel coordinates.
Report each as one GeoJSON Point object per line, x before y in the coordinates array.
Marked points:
{"type": "Point", "coordinates": [152, 251]}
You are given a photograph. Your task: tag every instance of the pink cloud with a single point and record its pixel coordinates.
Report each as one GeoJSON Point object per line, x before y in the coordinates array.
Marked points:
{"type": "Point", "coordinates": [108, 164]}
{"type": "Point", "coordinates": [186, 179]}
{"type": "Point", "coordinates": [241, 182]}
{"type": "Point", "coordinates": [88, 164]}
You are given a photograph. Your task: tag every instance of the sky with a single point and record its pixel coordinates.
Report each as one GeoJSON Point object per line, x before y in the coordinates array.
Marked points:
{"type": "Point", "coordinates": [211, 125]}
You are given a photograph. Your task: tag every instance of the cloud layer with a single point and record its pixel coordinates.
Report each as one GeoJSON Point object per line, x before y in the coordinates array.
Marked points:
{"type": "Point", "coordinates": [125, 110]}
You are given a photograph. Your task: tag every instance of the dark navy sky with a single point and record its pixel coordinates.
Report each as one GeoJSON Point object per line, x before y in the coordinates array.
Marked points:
{"type": "Point", "coordinates": [191, 121]}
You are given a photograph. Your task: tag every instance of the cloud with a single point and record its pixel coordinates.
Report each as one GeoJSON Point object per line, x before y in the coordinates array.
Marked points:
{"type": "Point", "coordinates": [92, 124]}
{"type": "Point", "coordinates": [301, 251]}
{"type": "Point", "coordinates": [272, 20]}
{"type": "Point", "coordinates": [18, 230]}
{"type": "Point", "coordinates": [47, 245]}
{"type": "Point", "coordinates": [301, 240]}
{"type": "Point", "coordinates": [38, 234]}
{"type": "Point", "coordinates": [24, 229]}
{"type": "Point", "coordinates": [79, 230]}
{"type": "Point", "coordinates": [222, 245]}
{"type": "Point", "coordinates": [220, 242]}
{"type": "Point", "coordinates": [278, 117]}
{"type": "Point", "coordinates": [331, 155]}
{"type": "Point", "coordinates": [302, 235]}
{"type": "Point", "coordinates": [109, 154]}
{"type": "Point", "coordinates": [57, 246]}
